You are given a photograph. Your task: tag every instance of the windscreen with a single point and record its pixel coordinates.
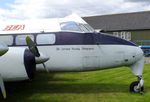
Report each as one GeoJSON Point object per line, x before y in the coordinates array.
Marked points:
{"type": "Point", "coordinates": [74, 26]}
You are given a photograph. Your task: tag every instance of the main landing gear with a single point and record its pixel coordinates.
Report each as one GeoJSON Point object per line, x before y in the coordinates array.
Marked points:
{"type": "Point", "coordinates": [137, 86]}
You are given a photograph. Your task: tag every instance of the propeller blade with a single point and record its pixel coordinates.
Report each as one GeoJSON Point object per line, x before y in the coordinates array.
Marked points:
{"type": "Point", "coordinates": [2, 87]}
{"type": "Point", "coordinates": [45, 68]}
{"type": "Point", "coordinates": [41, 59]}
{"type": "Point", "coordinates": [32, 46]}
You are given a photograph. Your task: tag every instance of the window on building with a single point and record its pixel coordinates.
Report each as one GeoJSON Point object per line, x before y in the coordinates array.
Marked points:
{"type": "Point", "coordinates": [123, 35]}
{"type": "Point", "coordinates": [21, 39]}
{"type": "Point", "coordinates": [46, 39]}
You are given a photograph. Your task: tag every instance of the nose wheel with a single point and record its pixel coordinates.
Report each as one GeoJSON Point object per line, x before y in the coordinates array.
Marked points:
{"type": "Point", "coordinates": [137, 86]}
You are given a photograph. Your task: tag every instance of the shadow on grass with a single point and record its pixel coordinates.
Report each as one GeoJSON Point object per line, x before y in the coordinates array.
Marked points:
{"type": "Point", "coordinates": [24, 90]}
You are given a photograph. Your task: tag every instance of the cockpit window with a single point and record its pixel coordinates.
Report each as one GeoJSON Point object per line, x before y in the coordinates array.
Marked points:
{"type": "Point", "coordinates": [89, 28]}
{"type": "Point", "coordinates": [70, 26]}
{"type": "Point", "coordinates": [84, 29]}
{"type": "Point", "coordinates": [74, 26]}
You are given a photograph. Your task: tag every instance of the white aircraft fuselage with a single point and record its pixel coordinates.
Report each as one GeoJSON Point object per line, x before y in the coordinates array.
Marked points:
{"type": "Point", "coordinates": [71, 51]}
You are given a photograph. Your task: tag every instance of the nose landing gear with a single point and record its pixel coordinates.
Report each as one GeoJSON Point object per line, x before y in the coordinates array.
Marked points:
{"type": "Point", "coordinates": [137, 86]}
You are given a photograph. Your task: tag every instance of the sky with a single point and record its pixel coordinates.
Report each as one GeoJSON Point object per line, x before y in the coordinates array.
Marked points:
{"type": "Point", "coordinates": [30, 9]}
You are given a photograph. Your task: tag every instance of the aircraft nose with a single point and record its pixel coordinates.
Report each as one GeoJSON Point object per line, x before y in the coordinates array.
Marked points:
{"type": "Point", "coordinates": [139, 53]}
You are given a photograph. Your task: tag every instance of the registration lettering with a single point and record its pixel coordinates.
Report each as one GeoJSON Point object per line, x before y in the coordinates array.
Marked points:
{"type": "Point", "coordinates": [14, 27]}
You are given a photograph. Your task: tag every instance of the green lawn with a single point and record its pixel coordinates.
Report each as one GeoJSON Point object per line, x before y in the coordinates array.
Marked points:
{"type": "Point", "coordinates": [99, 86]}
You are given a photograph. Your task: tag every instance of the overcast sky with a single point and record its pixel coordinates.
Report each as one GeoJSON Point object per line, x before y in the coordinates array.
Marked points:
{"type": "Point", "coordinates": [27, 9]}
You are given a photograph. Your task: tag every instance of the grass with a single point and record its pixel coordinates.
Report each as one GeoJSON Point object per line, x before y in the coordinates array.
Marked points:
{"type": "Point", "coordinates": [99, 86]}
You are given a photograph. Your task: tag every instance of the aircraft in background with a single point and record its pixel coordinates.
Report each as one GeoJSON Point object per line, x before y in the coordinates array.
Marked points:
{"type": "Point", "coordinates": [66, 45]}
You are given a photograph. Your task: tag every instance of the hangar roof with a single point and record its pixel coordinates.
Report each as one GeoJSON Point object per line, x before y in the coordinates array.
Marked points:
{"type": "Point", "coordinates": [117, 22]}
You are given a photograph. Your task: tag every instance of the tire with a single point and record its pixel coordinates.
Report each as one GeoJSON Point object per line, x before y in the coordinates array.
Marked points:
{"type": "Point", "coordinates": [133, 86]}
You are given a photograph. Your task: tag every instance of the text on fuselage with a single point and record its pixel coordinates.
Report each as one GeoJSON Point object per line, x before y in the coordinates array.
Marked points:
{"type": "Point", "coordinates": [74, 49]}
{"type": "Point", "coordinates": [14, 27]}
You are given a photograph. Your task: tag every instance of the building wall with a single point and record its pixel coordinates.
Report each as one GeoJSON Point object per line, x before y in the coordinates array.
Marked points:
{"type": "Point", "coordinates": [139, 37]}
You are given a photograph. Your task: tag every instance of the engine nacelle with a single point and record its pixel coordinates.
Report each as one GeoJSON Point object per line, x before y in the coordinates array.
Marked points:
{"type": "Point", "coordinates": [17, 64]}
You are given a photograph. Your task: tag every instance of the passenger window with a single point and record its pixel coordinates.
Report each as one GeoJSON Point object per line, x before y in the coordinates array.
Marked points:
{"type": "Point", "coordinates": [46, 39]}
{"type": "Point", "coordinates": [8, 40]}
{"type": "Point", "coordinates": [21, 39]}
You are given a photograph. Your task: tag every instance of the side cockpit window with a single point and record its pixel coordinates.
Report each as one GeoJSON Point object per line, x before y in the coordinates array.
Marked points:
{"type": "Point", "coordinates": [89, 27]}
{"type": "Point", "coordinates": [43, 39]}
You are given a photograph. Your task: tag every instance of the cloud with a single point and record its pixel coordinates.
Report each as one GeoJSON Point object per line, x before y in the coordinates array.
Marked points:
{"type": "Point", "coordinates": [137, 1]}
{"type": "Point", "coordinates": [28, 9]}
{"type": "Point", "coordinates": [133, 7]}
{"type": "Point", "coordinates": [4, 14]}
{"type": "Point", "coordinates": [24, 9]}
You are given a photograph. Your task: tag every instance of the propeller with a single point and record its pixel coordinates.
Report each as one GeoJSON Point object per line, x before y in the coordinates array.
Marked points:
{"type": "Point", "coordinates": [32, 46]}
{"type": "Point", "coordinates": [39, 57]}
{"type": "Point", "coordinates": [2, 87]}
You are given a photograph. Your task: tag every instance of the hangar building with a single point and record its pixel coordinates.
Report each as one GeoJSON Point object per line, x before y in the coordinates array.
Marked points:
{"type": "Point", "coordinates": [130, 26]}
